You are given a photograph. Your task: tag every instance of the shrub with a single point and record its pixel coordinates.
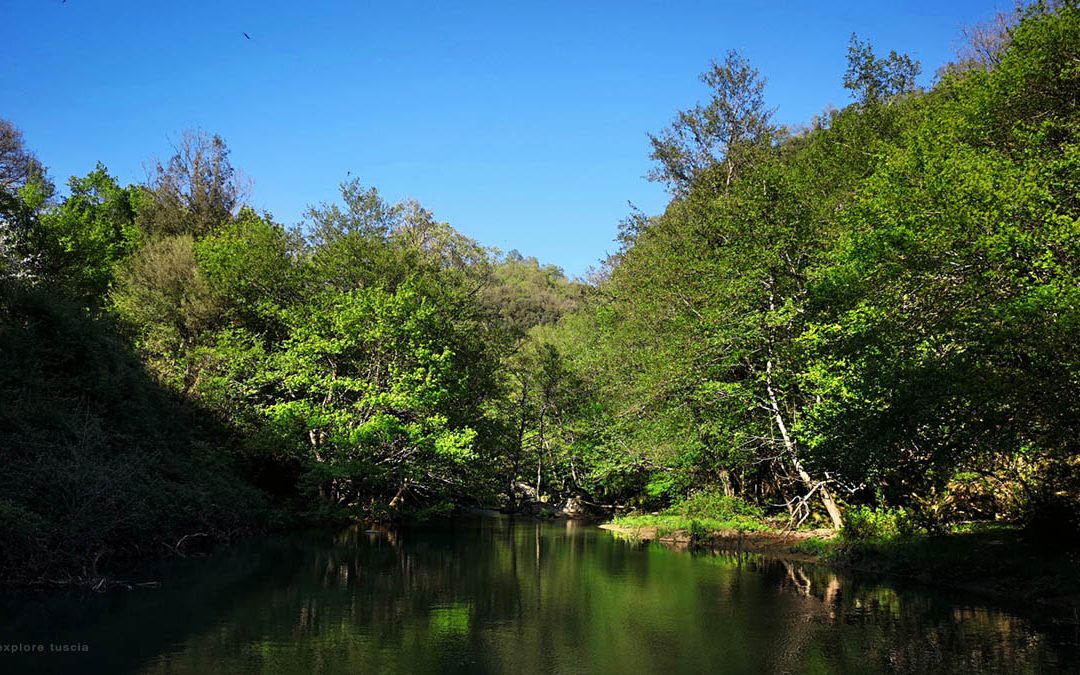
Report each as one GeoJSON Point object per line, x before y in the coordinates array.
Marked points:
{"type": "Point", "coordinates": [715, 505]}
{"type": "Point", "coordinates": [865, 522]}
{"type": "Point", "coordinates": [1051, 515]}
{"type": "Point", "coordinates": [697, 532]}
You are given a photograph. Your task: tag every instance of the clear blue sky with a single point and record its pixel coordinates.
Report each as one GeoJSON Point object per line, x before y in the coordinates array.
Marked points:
{"type": "Point", "coordinates": [521, 124]}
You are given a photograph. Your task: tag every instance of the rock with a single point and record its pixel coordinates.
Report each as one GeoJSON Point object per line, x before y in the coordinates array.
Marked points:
{"type": "Point", "coordinates": [578, 505]}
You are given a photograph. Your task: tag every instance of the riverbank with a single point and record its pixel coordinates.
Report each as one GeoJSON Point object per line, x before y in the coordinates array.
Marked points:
{"type": "Point", "coordinates": [770, 542]}
{"type": "Point", "coordinates": [992, 560]}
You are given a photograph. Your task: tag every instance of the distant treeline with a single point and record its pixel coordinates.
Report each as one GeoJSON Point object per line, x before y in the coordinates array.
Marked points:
{"type": "Point", "coordinates": [881, 309]}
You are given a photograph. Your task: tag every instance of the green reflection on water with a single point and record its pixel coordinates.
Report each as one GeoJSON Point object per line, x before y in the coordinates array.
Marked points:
{"type": "Point", "coordinates": [495, 595]}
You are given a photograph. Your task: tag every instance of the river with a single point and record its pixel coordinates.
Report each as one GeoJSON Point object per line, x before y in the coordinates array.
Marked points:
{"type": "Point", "coordinates": [495, 595]}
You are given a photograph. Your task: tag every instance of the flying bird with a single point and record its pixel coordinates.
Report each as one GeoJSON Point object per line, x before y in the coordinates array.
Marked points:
{"type": "Point", "coordinates": [245, 34]}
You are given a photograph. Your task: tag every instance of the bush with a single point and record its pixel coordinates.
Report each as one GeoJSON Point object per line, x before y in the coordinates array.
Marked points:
{"type": "Point", "coordinates": [24, 534]}
{"type": "Point", "coordinates": [1051, 515]}
{"type": "Point", "coordinates": [715, 505]}
{"type": "Point", "coordinates": [864, 522]}
{"type": "Point", "coordinates": [697, 532]}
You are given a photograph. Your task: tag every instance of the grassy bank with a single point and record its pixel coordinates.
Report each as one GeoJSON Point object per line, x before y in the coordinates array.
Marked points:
{"type": "Point", "coordinates": [986, 558]}
{"type": "Point", "coordinates": [666, 524]}
{"type": "Point", "coordinates": [697, 516]}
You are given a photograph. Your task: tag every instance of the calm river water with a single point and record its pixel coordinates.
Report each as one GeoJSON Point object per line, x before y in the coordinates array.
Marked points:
{"type": "Point", "coordinates": [494, 595]}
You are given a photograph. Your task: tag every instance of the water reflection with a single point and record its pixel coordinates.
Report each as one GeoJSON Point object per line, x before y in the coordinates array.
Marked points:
{"type": "Point", "coordinates": [494, 595]}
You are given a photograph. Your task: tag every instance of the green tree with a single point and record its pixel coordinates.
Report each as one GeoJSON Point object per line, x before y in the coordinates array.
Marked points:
{"type": "Point", "coordinates": [84, 238]}
{"type": "Point", "coordinates": [942, 344]}
{"type": "Point", "coordinates": [367, 380]}
{"type": "Point", "coordinates": [25, 190]}
{"type": "Point", "coordinates": [710, 134]}
{"type": "Point", "coordinates": [196, 190]}
{"type": "Point", "coordinates": [872, 79]}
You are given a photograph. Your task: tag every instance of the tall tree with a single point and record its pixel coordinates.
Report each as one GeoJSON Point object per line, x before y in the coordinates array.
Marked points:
{"type": "Point", "coordinates": [18, 165]}
{"type": "Point", "coordinates": [84, 238]}
{"type": "Point", "coordinates": [710, 134]}
{"type": "Point", "coordinates": [25, 190]}
{"type": "Point", "coordinates": [872, 79]}
{"type": "Point", "coordinates": [196, 190]}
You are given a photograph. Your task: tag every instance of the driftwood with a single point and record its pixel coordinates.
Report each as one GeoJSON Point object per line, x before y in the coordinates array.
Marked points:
{"type": "Point", "coordinates": [178, 547]}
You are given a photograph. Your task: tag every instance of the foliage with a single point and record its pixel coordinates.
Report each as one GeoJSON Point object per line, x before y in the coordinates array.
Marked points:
{"type": "Point", "coordinates": [667, 525]}
{"type": "Point", "coordinates": [83, 240]}
{"type": "Point", "coordinates": [876, 304]}
{"type": "Point", "coordinates": [1051, 516]}
{"type": "Point", "coordinates": [701, 513]}
{"type": "Point", "coordinates": [525, 294]}
{"type": "Point", "coordinates": [196, 190]}
{"type": "Point", "coordinates": [100, 462]}
{"type": "Point", "coordinates": [697, 533]}
{"type": "Point", "coordinates": [712, 134]}
{"type": "Point", "coordinates": [941, 338]}
{"type": "Point", "coordinates": [369, 380]}
{"type": "Point", "coordinates": [873, 79]}
{"type": "Point", "coordinates": [25, 191]}
{"type": "Point", "coordinates": [713, 504]}
{"type": "Point", "coordinates": [864, 522]}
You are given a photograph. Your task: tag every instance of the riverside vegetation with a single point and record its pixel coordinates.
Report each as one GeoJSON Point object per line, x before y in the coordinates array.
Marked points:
{"type": "Point", "coordinates": [868, 324]}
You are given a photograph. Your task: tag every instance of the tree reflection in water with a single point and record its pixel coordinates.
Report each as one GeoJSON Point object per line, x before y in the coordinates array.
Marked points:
{"type": "Point", "coordinates": [497, 595]}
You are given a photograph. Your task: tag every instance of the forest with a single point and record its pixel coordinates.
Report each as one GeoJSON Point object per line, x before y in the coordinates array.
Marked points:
{"type": "Point", "coordinates": [868, 323]}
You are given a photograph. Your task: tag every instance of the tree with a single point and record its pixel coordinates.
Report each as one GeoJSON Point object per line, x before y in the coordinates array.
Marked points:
{"type": "Point", "coordinates": [83, 240]}
{"type": "Point", "coordinates": [18, 166]}
{"type": "Point", "coordinates": [25, 190]}
{"type": "Point", "coordinates": [523, 293]}
{"type": "Point", "coordinates": [372, 242]}
{"type": "Point", "coordinates": [941, 345]}
{"type": "Point", "coordinates": [368, 380]}
{"type": "Point", "coordinates": [255, 270]}
{"type": "Point", "coordinates": [194, 192]}
{"type": "Point", "coordinates": [706, 135]}
{"type": "Point", "coordinates": [162, 295]}
{"type": "Point", "coordinates": [874, 80]}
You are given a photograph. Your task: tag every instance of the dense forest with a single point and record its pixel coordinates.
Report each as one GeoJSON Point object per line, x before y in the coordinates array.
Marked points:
{"type": "Point", "coordinates": [870, 322]}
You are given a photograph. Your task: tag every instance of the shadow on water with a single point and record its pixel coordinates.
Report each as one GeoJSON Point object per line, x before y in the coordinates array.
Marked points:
{"type": "Point", "coordinates": [497, 595]}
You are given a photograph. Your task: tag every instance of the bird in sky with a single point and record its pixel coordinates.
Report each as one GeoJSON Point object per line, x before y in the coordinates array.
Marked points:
{"type": "Point", "coordinates": [245, 34]}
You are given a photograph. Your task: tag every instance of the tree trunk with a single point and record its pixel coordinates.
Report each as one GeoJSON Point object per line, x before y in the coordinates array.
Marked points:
{"type": "Point", "coordinates": [400, 494]}
{"type": "Point", "coordinates": [789, 445]}
{"type": "Point", "coordinates": [540, 454]}
{"type": "Point", "coordinates": [520, 447]}
{"type": "Point", "coordinates": [725, 483]}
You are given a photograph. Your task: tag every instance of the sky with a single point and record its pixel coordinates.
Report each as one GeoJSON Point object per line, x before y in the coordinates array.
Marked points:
{"type": "Point", "coordinates": [523, 125]}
